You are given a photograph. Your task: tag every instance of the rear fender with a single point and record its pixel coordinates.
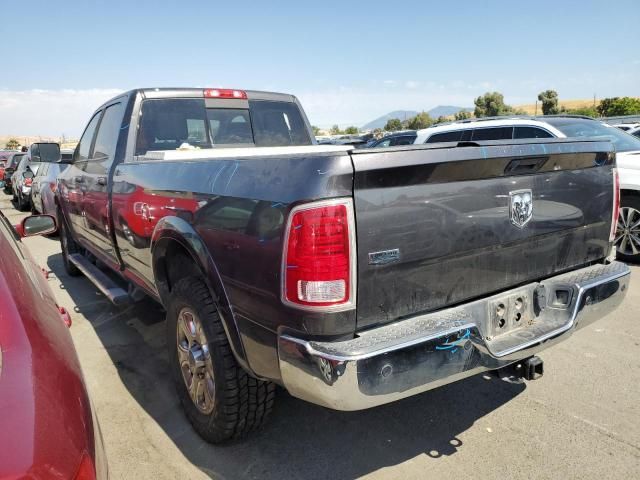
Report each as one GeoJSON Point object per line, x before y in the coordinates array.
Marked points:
{"type": "Point", "coordinates": [171, 230]}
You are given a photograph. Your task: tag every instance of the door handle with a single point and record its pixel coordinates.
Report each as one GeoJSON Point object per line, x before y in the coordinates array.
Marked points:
{"type": "Point", "coordinates": [102, 181]}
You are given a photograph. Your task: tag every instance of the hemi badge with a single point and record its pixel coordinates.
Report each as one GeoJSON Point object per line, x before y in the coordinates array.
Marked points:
{"type": "Point", "coordinates": [384, 257]}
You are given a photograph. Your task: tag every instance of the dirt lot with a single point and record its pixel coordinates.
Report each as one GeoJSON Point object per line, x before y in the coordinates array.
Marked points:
{"type": "Point", "coordinates": [581, 420]}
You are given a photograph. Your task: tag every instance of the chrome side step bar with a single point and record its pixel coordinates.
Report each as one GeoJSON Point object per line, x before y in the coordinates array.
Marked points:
{"type": "Point", "coordinates": [115, 294]}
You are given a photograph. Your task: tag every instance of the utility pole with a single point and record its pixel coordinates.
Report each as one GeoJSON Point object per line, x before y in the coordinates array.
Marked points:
{"type": "Point", "coordinates": [536, 114]}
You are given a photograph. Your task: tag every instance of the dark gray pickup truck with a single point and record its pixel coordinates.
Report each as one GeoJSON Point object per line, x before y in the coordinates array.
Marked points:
{"type": "Point", "coordinates": [351, 278]}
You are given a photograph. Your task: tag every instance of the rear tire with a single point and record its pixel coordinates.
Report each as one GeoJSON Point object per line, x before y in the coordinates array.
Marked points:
{"type": "Point", "coordinates": [627, 235]}
{"type": "Point", "coordinates": [226, 403]}
{"type": "Point", "coordinates": [68, 246]}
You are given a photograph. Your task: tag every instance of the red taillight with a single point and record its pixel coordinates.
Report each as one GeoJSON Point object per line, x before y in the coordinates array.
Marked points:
{"type": "Point", "coordinates": [319, 256]}
{"type": "Point", "coordinates": [616, 205]}
{"type": "Point", "coordinates": [28, 181]}
{"type": "Point", "coordinates": [225, 93]}
{"type": "Point", "coordinates": [86, 470]}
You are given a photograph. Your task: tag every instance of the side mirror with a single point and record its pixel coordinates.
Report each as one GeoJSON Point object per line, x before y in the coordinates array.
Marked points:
{"type": "Point", "coordinates": [37, 225]}
{"type": "Point", "coordinates": [27, 174]}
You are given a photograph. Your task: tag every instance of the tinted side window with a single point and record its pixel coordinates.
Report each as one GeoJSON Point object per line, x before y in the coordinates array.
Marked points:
{"type": "Point", "coordinates": [404, 140]}
{"type": "Point", "coordinates": [35, 151]}
{"type": "Point", "coordinates": [82, 150]}
{"type": "Point", "coordinates": [531, 132]}
{"type": "Point", "coordinates": [453, 136]}
{"type": "Point", "coordinates": [108, 132]}
{"type": "Point", "coordinates": [498, 133]}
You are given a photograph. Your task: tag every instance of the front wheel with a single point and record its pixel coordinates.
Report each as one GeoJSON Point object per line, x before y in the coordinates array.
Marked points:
{"type": "Point", "coordinates": [628, 232]}
{"type": "Point", "coordinates": [220, 399]}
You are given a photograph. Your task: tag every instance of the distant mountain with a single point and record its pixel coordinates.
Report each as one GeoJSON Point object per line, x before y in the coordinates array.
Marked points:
{"type": "Point", "coordinates": [380, 122]}
{"type": "Point", "coordinates": [446, 110]}
{"type": "Point", "coordinates": [441, 110]}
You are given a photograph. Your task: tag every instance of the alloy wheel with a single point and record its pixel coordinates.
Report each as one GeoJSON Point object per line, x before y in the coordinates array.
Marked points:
{"type": "Point", "coordinates": [628, 231]}
{"type": "Point", "coordinates": [195, 360]}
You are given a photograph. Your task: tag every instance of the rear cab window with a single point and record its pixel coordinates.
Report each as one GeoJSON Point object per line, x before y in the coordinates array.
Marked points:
{"type": "Point", "coordinates": [196, 123]}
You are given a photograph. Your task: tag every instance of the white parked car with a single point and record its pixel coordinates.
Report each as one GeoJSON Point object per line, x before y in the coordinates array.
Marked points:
{"type": "Point", "coordinates": [634, 131]}
{"type": "Point", "coordinates": [507, 128]}
{"type": "Point", "coordinates": [626, 126]}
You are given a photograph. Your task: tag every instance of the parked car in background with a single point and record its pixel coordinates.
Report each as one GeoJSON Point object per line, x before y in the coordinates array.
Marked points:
{"type": "Point", "coordinates": [625, 127]}
{"type": "Point", "coordinates": [48, 427]}
{"type": "Point", "coordinates": [21, 182]}
{"type": "Point", "coordinates": [11, 163]}
{"type": "Point", "coordinates": [45, 184]}
{"type": "Point", "coordinates": [358, 141]}
{"type": "Point", "coordinates": [395, 139]}
{"type": "Point", "coordinates": [563, 126]}
{"type": "Point", "coordinates": [350, 277]}
{"type": "Point", "coordinates": [634, 131]}
{"type": "Point", "coordinates": [3, 161]}
{"type": "Point", "coordinates": [36, 154]}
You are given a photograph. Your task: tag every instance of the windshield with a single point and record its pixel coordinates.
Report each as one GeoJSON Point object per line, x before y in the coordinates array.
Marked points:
{"type": "Point", "coordinates": [15, 160]}
{"type": "Point", "coordinates": [577, 127]}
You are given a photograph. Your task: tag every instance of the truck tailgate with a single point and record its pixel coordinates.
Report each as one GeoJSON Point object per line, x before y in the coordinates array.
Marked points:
{"type": "Point", "coordinates": [438, 225]}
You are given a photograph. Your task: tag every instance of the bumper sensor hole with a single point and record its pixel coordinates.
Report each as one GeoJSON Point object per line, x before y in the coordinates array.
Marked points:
{"type": "Point", "coordinates": [500, 310]}
{"type": "Point", "coordinates": [501, 323]}
{"type": "Point", "coordinates": [518, 317]}
{"type": "Point", "coordinates": [519, 303]}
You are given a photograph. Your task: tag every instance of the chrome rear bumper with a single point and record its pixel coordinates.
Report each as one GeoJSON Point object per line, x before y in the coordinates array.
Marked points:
{"type": "Point", "coordinates": [411, 356]}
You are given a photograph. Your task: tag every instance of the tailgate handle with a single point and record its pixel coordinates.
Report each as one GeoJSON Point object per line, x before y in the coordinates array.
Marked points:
{"type": "Point", "coordinates": [522, 166]}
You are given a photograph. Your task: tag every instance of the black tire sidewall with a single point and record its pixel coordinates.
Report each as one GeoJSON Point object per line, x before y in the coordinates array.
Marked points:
{"type": "Point", "coordinates": [188, 297]}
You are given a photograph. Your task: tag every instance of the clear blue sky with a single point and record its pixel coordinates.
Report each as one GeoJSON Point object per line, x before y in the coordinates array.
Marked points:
{"type": "Point", "coordinates": [347, 63]}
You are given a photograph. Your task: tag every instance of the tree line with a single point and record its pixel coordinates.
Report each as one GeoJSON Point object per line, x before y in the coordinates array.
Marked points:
{"type": "Point", "coordinates": [492, 104]}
